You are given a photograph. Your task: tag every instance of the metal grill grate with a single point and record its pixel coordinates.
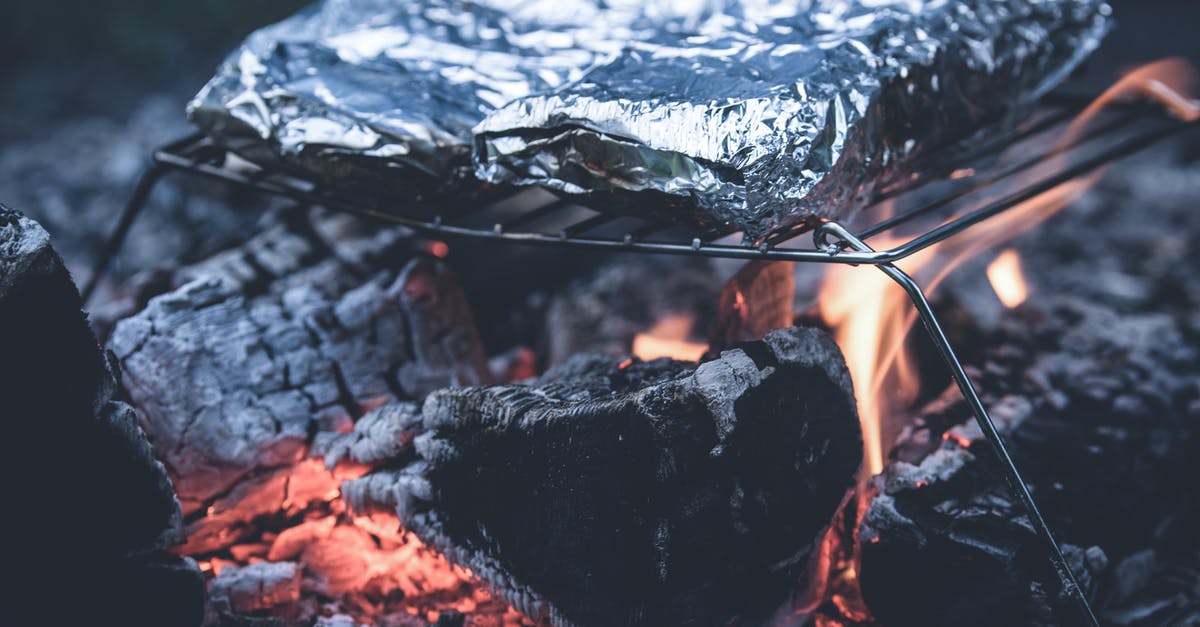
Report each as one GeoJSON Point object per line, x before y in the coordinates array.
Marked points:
{"type": "Point", "coordinates": [1006, 173]}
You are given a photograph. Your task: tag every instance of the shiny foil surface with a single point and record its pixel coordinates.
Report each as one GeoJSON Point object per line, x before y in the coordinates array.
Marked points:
{"type": "Point", "coordinates": [366, 87]}
{"type": "Point", "coordinates": [751, 113]}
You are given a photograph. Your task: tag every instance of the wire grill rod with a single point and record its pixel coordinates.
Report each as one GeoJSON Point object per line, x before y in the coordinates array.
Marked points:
{"type": "Point", "coordinates": [1129, 131]}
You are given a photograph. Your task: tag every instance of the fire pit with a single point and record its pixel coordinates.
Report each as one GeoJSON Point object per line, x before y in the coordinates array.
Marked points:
{"type": "Point", "coordinates": [356, 436]}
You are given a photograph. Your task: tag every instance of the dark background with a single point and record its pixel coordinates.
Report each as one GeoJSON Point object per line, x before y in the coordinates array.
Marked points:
{"type": "Point", "coordinates": [63, 57]}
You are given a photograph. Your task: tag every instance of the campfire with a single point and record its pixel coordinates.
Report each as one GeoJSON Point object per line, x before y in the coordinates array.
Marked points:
{"type": "Point", "coordinates": [309, 528]}
{"type": "Point", "coordinates": [481, 398]}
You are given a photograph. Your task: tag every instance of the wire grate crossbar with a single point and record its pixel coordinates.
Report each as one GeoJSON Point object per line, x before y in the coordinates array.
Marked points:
{"type": "Point", "coordinates": [1035, 159]}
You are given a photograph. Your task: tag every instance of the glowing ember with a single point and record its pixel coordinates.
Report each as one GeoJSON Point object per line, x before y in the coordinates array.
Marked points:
{"type": "Point", "coordinates": [1007, 278]}
{"type": "Point", "coordinates": [669, 337]}
{"type": "Point", "coordinates": [958, 438]}
{"type": "Point", "coordinates": [366, 567]}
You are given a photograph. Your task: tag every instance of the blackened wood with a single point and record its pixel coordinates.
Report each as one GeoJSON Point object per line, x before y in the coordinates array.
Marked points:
{"type": "Point", "coordinates": [295, 333]}
{"type": "Point", "coordinates": [382, 435]}
{"type": "Point", "coordinates": [89, 507]}
{"type": "Point", "coordinates": [637, 493]}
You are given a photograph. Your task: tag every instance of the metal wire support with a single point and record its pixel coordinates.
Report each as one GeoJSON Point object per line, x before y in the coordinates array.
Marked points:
{"type": "Point", "coordinates": [129, 215]}
{"type": "Point", "coordinates": [833, 238]}
{"type": "Point", "coordinates": [566, 222]}
{"type": "Point", "coordinates": [1039, 162]}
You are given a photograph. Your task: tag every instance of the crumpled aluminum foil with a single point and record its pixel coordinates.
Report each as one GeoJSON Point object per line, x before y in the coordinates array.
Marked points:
{"type": "Point", "coordinates": [766, 124]}
{"type": "Point", "coordinates": [348, 87]}
{"type": "Point", "coordinates": [749, 112]}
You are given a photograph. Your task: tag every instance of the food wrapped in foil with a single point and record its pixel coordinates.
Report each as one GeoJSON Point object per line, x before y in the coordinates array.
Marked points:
{"type": "Point", "coordinates": [750, 112]}
{"type": "Point", "coordinates": [764, 124]}
{"type": "Point", "coordinates": [350, 88]}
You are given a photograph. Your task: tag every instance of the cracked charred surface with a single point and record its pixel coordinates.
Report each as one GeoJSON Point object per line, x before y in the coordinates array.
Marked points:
{"type": "Point", "coordinates": [295, 333]}
{"type": "Point", "coordinates": [634, 493]}
{"type": "Point", "coordinates": [95, 522]}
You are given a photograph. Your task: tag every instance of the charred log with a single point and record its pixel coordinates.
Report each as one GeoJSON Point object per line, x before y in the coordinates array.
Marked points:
{"type": "Point", "coordinates": [93, 525]}
{"type": "Point", "coordinates": [261, 355]}
{"type": "Point", "coordinates": [290, 245]}
{"type": "Point", "coordinates": [296, 333]}
{"type": "Point", "coordinates": [256, 587]}
{"type": "Point", "coordinates": [640, 493]}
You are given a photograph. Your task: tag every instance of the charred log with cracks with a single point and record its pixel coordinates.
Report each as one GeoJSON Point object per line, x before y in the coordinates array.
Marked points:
{"type": "Point", "coordinates": [632, 493]}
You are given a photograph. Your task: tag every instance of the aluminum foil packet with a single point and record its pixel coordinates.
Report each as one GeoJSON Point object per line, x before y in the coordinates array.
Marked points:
{"type": "Point", "coordinates": [748, 112]}
{"type": "Point", "coordinates": [772, 117]}
{"type": "Point", "coordinates": [350, 88]}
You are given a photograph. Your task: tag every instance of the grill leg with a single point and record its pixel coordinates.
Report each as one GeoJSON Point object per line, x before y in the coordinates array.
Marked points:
{"type": "Point", "coordinates": [133, 208]}
{"type": "Point", "coordinates": [1016, 485]}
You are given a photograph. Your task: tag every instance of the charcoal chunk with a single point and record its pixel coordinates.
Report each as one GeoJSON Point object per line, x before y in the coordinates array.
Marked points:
{"type": "Point", "coordinates": [91, 509]}
{"type": "Point", "coordinates": [637, 493]}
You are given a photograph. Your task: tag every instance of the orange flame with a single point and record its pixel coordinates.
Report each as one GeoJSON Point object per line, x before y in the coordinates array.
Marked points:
{"type": "Point", "coordinates": [669, 338]}
{"type": "Point", "coordinates": [860, 308]}
{"type": "Point", "coordinates": [1007, 278]}
{"type": "Point", "coordinates": [871, 316]}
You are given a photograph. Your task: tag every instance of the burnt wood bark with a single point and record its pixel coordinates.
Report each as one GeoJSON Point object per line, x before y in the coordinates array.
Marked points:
{"type": "Point", "coordinates": [382, 435]}
{"type": "Point", "coordinates": [283, 248]}
{"type": "Point", "coordinates": [84, 540]}
{"type": "Point", "coordinates": [632, 493]}
{"type": "Point", "coordinates": [297, 332]}
{"type": "Point", "coordinates": [256, 587]}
